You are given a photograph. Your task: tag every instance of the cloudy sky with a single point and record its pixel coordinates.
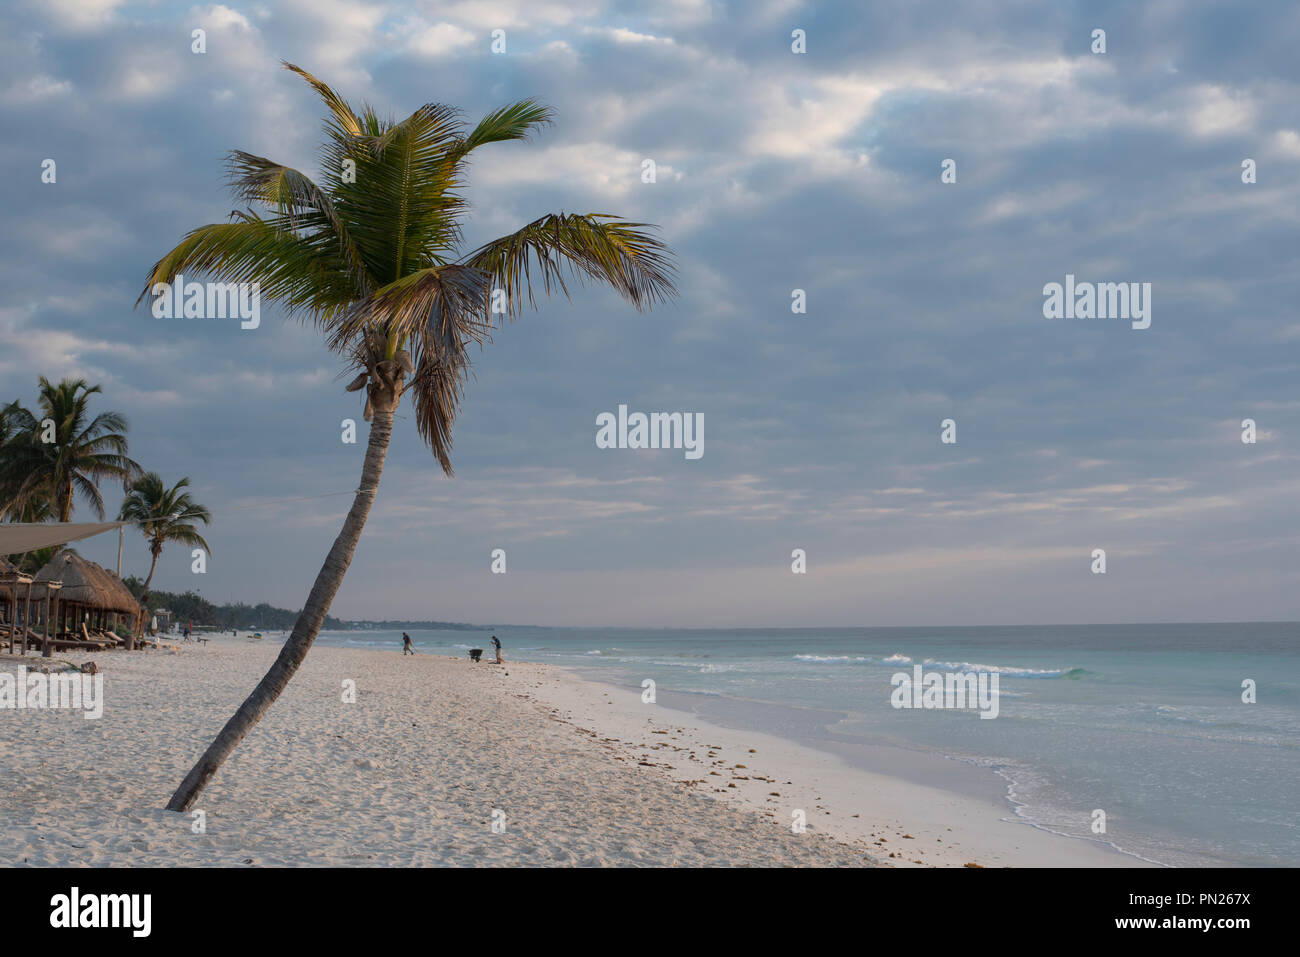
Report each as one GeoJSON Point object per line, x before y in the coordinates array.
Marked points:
{"type": "Point", "coordinates": [775, 171]}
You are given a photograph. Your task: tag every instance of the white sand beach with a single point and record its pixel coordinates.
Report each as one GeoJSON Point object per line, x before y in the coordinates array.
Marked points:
{"type": "Point", "coordinates": [412, 772]}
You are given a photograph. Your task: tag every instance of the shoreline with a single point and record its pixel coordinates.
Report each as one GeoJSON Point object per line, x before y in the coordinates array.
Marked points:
{"type": "Point", "coordinates": [413, 770]}
{"type": "Point", "coordinates": [841, 800]}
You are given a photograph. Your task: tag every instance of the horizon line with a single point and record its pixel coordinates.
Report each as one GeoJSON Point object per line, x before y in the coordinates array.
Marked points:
{"type": "Point", "coordinates": [1106, 624]}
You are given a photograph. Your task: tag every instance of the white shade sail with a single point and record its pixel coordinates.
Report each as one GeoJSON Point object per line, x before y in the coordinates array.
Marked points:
{"type": "Point", "coordinates": [18, 537]}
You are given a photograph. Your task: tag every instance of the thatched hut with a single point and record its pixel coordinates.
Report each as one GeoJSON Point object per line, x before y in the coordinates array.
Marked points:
{"type": "Point", "coordinates": [90, 595]}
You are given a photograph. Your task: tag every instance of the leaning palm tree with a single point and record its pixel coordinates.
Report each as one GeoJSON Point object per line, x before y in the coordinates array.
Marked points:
{"type": "Point", "coordinates": [372, 255]}
{"type": "Point", "coordinates": [163, 515]}
{"type": "Point", "coordinates": [59, 452]}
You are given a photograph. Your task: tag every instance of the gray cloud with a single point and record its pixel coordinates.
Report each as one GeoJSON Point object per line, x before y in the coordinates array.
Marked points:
{"type": "Point", "coordinates": [777, 172]}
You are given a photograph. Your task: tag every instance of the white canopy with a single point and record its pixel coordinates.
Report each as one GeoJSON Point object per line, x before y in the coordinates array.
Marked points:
{"type": "Point", "coordinates": [18, 537]}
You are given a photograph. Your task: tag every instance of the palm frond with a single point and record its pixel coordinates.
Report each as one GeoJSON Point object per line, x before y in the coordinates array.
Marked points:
{"type": "Point", "coordinates": [436, 314]}
{"type": "Point", "coordinates": [188, 535]}
{"type": "Point", "coordinates": [90, 493]}
{"type": "Point", "coordinates": [402, 206]}
{"type": "Point", "coordinates": [440, 304]}
{"type": "Point", "coordinates": [344, 117]}
{"type": "Point", "coordinates": [517, 121]}
{"type": "Point", "coordinates": [300, 205]}
{"type": "Point", "coordinates": [437, 390]}
{"type": "Point", "coordinates": [594, 246]}
{"type": "Point", "coordinates": [293, 271]}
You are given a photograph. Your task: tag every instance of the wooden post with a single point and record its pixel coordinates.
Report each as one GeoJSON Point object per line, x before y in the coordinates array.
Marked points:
{"type": "Point", "coordinates": [27, 616]}
{"type": "Point", "coordinates": [49, 598]}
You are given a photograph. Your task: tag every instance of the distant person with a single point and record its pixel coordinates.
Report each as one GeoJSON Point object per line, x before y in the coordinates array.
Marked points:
{"type": "Point", "coordinates": [497, 645]}
{"type": "Point", "coordinates": [406, 644]}
{"type": "Point", "coordinates": [188, 627]}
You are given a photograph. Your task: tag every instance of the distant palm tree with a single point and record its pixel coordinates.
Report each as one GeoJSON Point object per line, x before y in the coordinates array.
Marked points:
{"type": "Point", "coordinates": [9, 478]}
{"type": "Point", "coordinates": [34, 509]}
{"type": "Point", "coordinates": [8, 426]}
{"type": "Point", "coordinates": [38, 558]}
{"type": "Point", "coordinates": [60, 452]}
{"type": "Point", "coordinates": [163, 515]}
{"type": "Point", "coordinates": [373, 258]}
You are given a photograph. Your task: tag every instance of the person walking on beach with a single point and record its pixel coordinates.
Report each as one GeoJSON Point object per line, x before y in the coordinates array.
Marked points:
{"type": "Point", "coordinates": [497, 645]}
{"type": "Point", "coordinates": [406, 644]}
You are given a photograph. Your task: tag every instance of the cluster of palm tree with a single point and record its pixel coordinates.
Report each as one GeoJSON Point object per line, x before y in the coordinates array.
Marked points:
{"type": "Point", "coordinates": [57, 455]}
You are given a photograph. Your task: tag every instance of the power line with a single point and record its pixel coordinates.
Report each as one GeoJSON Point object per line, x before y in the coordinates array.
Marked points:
{"type": "Point", "coordinates": [301, 498]}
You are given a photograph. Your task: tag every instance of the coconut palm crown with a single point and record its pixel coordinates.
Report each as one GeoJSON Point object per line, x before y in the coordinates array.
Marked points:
{"type": "Point", "coordinates": [60, 452]}
{"type": "Point", "coordinates": [373, 254]}
{"type": "Point", "coordinates": [163, 515]}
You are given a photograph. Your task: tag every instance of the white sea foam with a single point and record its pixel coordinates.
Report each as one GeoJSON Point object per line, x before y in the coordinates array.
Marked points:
{"type": "Point", "coordinates": [967, 667]}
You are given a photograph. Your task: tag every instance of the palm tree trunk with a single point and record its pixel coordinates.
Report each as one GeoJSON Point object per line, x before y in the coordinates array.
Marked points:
{"type": "Point", "coordinates": [309, 622]}
{"type": "Point", "coordinates": [137, 627]}
{"type": "Point", "coordinates": [144, 592]}
{"type": "Point", "coordinates": [64, 502]}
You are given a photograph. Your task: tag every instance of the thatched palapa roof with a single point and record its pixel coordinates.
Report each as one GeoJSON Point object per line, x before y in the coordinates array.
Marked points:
{"type": "Point", "coordinates": [85, 583]}
{"type": "Point", "coordinates": [10, 575]}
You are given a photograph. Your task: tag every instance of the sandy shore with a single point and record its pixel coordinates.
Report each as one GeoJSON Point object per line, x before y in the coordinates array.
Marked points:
{"type": "Point", "coordinates": [409, 774]}
{"type": "Point", "coordinates": [412, 771]}
{"type": "Point", "coordinates": [901, 823]}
